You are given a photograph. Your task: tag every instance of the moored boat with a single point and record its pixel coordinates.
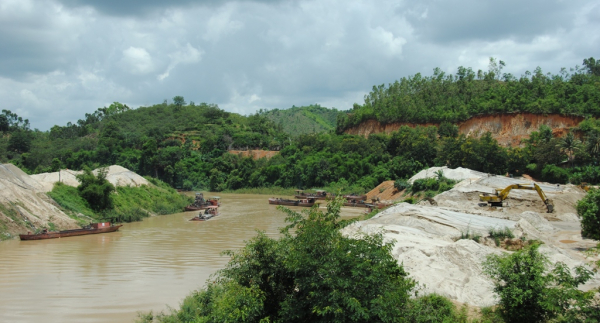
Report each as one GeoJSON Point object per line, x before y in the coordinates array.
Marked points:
{"type": "Point", "coordinates": [304, 202]}
{"type": "Point", "coordinates": [200, 203]}
{"type": "Point", "coordinates": [93, 228]}
{"type": "Point", "coordinates": [319, 195]}
{"type": "Point", "coordinates": [209, 213]}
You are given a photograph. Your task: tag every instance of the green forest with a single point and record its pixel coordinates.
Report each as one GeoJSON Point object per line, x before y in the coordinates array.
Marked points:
{"type": "Point", "coordinates": [303, 120]}
{"type": "Point", "coordinates": [453, 98]}
{"type": "Point", "coordinates": [186, 144]}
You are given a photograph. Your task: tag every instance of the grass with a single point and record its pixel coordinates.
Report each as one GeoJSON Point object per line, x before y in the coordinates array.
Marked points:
{"type": "Point", "coordinates": [500, 234]}
{"type": "Point", "coordinates": [469, 235]}
{"type": "Point", "coordinates": [130, 203]}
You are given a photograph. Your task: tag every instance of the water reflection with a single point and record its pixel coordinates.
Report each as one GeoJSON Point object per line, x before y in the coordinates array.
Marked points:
{"type": "Point", "coordinates": [144, 266]}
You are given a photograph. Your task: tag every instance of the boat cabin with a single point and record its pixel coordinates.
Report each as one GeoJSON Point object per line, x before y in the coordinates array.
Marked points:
{"type": "Point", "coordinates": [100, 225]}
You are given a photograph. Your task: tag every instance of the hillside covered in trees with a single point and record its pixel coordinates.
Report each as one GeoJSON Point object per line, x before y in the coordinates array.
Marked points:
{"type": "Point", "coordinates": [303, 120]}
{"type": "Point", "coordinates": [186, 145]}
{"type": "Point", "coordinates": [457, 97]}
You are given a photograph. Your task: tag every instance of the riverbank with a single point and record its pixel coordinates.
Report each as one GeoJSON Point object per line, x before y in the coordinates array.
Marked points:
{"type": "Point", "coordinates": [32, 202]}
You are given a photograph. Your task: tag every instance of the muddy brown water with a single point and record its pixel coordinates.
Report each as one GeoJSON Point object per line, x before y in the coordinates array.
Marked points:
{"type": "Point", "coordinates": [145, 266]}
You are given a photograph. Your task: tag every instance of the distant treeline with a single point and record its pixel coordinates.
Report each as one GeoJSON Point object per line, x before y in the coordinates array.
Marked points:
{"type": "Point", "coordinates": [186, 145]}
{"type": "Point", "coordinates": [454, 98]}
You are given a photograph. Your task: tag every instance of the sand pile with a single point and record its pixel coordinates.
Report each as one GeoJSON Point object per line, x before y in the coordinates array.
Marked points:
{"type": "Point", "coordinates": [426, 237]}
{"type": "Point", "coordinates": [24, 205]}
{"type": "Point", "coordinates": [117, 175]}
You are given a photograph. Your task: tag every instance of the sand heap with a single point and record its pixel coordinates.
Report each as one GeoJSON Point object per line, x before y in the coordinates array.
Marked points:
{"type": "Point", "coordinates": [426, 235]}
{"type": "Point", "coordinates": [24, 204]}
{"type": "Point", "coordinates": [117, 175]}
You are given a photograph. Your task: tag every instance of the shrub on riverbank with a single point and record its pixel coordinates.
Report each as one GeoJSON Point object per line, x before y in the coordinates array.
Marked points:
{"type": "Point", "coordinates": [129, 203]}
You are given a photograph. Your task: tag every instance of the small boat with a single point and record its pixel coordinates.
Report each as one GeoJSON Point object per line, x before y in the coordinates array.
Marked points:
{"type": "Point", "coordinates": [200, 203]}
{"type": "Point", "coordinates": [93, 228]}
{"type": "Point", "coordinates": [305, 202]}
{"type": "Point", "coordinates": [319, 195]}
{"type": "Point", "coordinates": [209, 213]}
{"type": "Point", "coordinates": [278, 201]}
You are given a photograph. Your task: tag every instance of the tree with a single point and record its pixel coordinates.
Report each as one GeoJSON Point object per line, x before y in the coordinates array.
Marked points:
{"type": "Point", "coordinates": [588, 209]}
{"type": "Point", "coordinates": [178, 101]}
{"type": "Point", "coordinates": [96, 190]}
{"type": "Point", "coordinates": [314, 274]}
{"type": "Point", "coordinates": [529, 292]}
{"type": "Point", "coordinates": [592, 65]}
{"type": "Point", "coordinates": [569, 144]}
{"type": "Point", "coordinates": [20, 141]}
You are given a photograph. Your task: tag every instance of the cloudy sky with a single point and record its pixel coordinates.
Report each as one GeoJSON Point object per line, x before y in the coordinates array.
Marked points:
{"type": "Point", "coordinates": [61, 59]}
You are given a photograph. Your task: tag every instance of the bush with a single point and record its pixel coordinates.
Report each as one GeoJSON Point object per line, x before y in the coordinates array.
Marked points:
{"type": "Point", "coordinates": [315, 274]}
{"type": "Point", "coordinates": [96, 190]}
{"type": "Point", "coordinates": [500, 234]}
{"type": "Point", "coordinates": [588, 210]}
{"type": "Point", "coordinates": [401, 184]}
{"type": "Point", "coordinates": [555, 174]}
{"type": "Point", "coordinates": [529, 293]}
{"type": "Point", "coordinates": [431, 308]}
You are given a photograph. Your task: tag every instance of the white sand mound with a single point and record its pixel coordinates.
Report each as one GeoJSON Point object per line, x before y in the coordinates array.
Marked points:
{"type": "Point", "coordinates": [116, 175]}
{"type": "Point", "coordinates": [424, 235]}
{"type": "Point", "coordinates": [22, 194]}
{"type": "Point", "coordinates": [457, 174]}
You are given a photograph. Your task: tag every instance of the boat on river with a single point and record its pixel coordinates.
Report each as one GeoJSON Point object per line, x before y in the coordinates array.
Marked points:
{"type": "Point", "coordinates": [304, 202]}
{"type": "Point", "coordinates": [200, 203]}
{"type": "Point", "coordinates": [93, 228]}
{"type": "Point", "coordinates": [319, 195]}
{"type": "Point", "coordinates": [355, 203]}
{"type": "Point", "coordinates": [209, 213]}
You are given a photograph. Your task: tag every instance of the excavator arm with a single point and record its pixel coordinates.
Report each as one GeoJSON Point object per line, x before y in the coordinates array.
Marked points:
{"type": "Point", "coordinates": [501, 194]}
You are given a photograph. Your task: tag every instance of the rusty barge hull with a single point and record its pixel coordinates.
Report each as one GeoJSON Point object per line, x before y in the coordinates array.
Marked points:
{"type": "Point", "coordinates": [68, 233]}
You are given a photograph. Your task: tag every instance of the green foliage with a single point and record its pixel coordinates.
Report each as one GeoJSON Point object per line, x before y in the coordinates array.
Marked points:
{"type": "Point", "coordinates": [432, 308]}
{"type": "Point", "coordinates": [500, 234]}
{"type": "Point", "coordinates": [469, 235]}
{"type": "Point", "coordinates": [529, 293]}
{"type": "Point", "coordinates": [303, 120]}
{"type": "Point", "coordinates": [436, 185]}
{"type": "Point", "coordinates": [451, 98]}
{"type": "Point", "coordinates": [401, 184]}
{"type": "Point", "coordinates": [313, 274]}
{"type": "Point", "coordinates": [96, 189]}
{"type": "Point", "coordinates": [129, 204]}
{"type": "Point", "coordinates": [588, 210]}
{"type": "Point", "coordinates": [69, 199]}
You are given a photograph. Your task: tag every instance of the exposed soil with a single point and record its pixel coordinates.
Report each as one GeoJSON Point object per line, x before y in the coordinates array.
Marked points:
{"type": "Point", "coordinates": [255, 154]}
{"type": "Point", "coordinates": [507, 129]}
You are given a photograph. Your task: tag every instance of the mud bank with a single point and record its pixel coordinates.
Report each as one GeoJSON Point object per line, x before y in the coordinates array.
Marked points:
{"type": "Point", "coordinates": [508, 129]}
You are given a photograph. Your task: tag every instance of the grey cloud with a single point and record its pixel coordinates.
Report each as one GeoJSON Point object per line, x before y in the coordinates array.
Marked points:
{"type": "Point", "coordinates": [144, 7]}
{"type": "Point", "coordinates": [246, 55]}
{"type": "Point", "coordinates": [475, 20]}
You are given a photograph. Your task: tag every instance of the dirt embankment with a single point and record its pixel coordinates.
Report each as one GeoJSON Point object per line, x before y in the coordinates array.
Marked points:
{"type": "Point", "coordinates": [255, 154]}
{"type": "Point", "coordinates": [508, 129]}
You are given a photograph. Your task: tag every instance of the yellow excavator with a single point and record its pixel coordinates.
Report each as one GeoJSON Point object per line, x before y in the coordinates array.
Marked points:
{"type": "Point", "coordinates": [502, 194]}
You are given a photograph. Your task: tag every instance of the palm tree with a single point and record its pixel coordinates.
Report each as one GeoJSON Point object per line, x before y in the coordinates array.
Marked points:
{"type": "Point", "coordinates": [593, 144]}
{"type": "Point", "coordinates": [569, 144]}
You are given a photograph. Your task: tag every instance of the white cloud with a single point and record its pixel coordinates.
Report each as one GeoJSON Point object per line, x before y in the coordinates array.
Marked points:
{"type": "Point", "coordinates": [137, 61]}
{"type": "Point", "coordinates": [186, 55]}
{"type": "Point", "coordinates": [58, 61]}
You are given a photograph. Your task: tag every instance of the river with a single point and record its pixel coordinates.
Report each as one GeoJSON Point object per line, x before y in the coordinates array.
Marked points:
{"type": "Point", "coordinates": [144, 266]}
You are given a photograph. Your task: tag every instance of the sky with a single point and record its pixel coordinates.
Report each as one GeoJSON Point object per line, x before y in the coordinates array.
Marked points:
{"type": "Point", "coordinates": [60, 59]}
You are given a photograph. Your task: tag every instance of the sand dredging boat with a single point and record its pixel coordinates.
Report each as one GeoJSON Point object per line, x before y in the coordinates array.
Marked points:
{"type": "Point", "coordinates": [93, 228]}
